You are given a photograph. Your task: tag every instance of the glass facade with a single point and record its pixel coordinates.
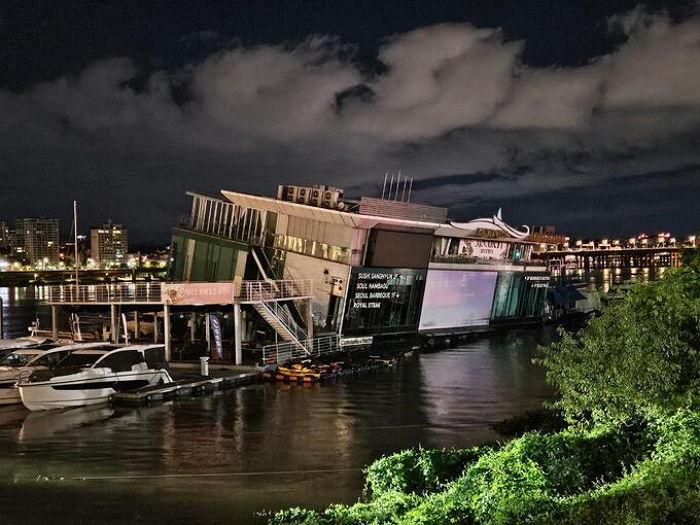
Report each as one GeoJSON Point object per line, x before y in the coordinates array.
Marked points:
{"type": "Point", "coordinates": [457, 298]}
{"type": "Point", "coordinates": [318, 249]}
{"type": "Point", "coordinates": [383, 300]}
{"type": "Point", "coordinates": [519, 296]}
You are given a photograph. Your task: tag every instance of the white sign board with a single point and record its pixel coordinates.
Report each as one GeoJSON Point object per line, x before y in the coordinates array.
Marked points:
{"type": "Point", "coordinates": [197, 293]}
{"type": "Point", "coordinates": [483, 249]}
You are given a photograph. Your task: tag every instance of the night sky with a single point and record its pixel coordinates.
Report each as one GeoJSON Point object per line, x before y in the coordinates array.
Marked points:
{"type": "Point", "coordinates": [579, 113]}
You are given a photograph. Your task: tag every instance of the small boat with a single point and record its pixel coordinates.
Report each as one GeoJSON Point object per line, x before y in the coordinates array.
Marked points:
{"type": "Point", "coordinates": [10, 345]}
{"type": "Point", "coordinates": [91, 376]}
{"type": "Point", "coordinates": [20, 364]}
{"type": "Point", "coordinates": [302, 372]}
{"type": "Point", "coordinates": [295, 373]}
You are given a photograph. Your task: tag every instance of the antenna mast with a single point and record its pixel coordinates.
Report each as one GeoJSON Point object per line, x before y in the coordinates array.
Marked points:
{"type": "Point", "coordinates": [75, 239]}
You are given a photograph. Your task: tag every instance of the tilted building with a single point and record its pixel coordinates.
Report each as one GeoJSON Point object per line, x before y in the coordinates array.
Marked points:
{"type": "Point", "coordinates": [381, 267]}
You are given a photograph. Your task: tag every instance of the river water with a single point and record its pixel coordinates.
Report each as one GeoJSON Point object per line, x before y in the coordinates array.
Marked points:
{"type": "Point", "coordinates": [225, 458]}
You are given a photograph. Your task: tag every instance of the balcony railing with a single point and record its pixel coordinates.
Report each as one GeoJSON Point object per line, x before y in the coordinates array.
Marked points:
{"type": "Point", "coordinates": [281, 353]}
{"type": "Point", "coordinates": [152, 293]}
{"type": "Point", "coordinates": [106, 293]}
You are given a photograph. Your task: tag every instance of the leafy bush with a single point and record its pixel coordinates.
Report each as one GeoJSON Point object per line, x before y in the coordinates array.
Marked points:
{"type": "Point", "coordinates": [638, 358]}
{"type": "Point", "coordinates": [533, 479]}
{"type": "Point", "coordinates": [543, 420]}
{"type": "Point", "coordinates": [418, 471]}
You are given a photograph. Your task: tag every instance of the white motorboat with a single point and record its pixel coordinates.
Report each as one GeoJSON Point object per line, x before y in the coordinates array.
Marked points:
{"type": "Point", "coordinates": [10, 345]}
{"type": "Point", "coordinates": [91, 376]}
{"type": "Point", "coordinates": [20, 364]}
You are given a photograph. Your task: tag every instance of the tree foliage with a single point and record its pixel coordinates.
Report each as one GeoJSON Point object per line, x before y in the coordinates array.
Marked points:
{"type": "Point", "coordinates": [638, 358]}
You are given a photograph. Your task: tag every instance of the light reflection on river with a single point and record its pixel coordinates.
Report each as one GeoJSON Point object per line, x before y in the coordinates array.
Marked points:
{"type": "Point", "coordinates": [225, 457]}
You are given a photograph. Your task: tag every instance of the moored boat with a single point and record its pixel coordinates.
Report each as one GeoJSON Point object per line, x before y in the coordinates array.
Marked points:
{"type": "Point", "coordinates": [20, 364]}
{"type": "Point", "coordinates": [10, 345]}
{"type": "Point", "coordinates": [302, 373]}
{"type": "Point", "coordinates": [91, 376]}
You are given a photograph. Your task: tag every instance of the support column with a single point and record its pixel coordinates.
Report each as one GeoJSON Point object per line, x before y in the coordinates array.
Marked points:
{"type": "Point", "coordinates": [155, 327]}
{"type": "Point", "coordinates": [166, 332]}
{"type": "Point", "coordinates": [309, 319]}
{"type": "Point", "coordinates": [207, 332]}
{"type": "Point", "coordinates": [113, 335]}
{"type": "Point", "coordinates": [193, 326]}
{"type": "Point", "coordinates": [137, 327]}
{"type": "Point", "coordinates": [54, 323]}
{"type": "Point", "coordinates": [238, 345]}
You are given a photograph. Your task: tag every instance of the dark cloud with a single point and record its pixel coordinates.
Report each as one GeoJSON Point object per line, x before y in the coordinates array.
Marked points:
{"type": "Point", "coordinates": [453, 106]}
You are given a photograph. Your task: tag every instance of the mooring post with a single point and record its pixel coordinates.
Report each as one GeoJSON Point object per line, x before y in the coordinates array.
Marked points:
{"type": "Point", "coordinates": [166, 331]}
{"type": "Point", "coordinates": [54, 323]}
{"type": "Point", "coordinates": [114, 336]}
{"type": "Point", "coordinates": [238, 345]}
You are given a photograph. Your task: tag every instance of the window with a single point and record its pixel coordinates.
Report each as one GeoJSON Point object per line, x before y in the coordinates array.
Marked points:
{"type": "Point", "coordinates": [155, 357]}
{"type": "Point", "coordinates": [80, 360]}
{"type": "Point", "coordinates": [518, 298]}
{"type": "Point", "coordinates": [122, 361]}
{"type": "Point", "coordinates": [51, 359]}
{"type": "Point", "coordinates": [383, 300]}
{"type": "Point", "coordinates": [16, 359]}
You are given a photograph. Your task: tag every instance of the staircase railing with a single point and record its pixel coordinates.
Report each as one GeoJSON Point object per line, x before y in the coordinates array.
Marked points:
{"type": "Point", "coordinates": [254, 291]}
{"type": "Point", "coordinates": [284, 317]}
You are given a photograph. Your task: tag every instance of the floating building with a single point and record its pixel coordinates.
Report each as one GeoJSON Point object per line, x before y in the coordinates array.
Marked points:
{"type": "Point", "coordinates": [381, 267]}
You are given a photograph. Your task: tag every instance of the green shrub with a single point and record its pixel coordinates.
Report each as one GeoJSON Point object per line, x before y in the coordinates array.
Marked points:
{"type": "Point", "coordinates": [640, 357]}
{"type": "Point", "coordinates": [635, 473]}
{"type": "Point", "coordinates": [417, 471]}
{"type": "Point", "coordinates": [543, 420]}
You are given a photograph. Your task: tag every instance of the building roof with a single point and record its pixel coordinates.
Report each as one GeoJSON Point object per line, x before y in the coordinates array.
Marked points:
{"type": "Point", "coordinates": [342, 218]}
{"type": "Point", "coordinates": [365, 221]}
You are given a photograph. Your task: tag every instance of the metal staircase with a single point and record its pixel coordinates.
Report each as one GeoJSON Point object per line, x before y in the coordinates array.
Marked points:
{"type": "Point", "coordinates": [278, 315]}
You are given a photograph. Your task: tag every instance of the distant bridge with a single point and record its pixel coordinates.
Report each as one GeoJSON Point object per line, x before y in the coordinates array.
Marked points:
{"type": "Point", "coordinates": [596, 259]}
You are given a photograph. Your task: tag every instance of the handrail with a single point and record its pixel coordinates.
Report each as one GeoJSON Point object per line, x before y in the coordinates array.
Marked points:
{"type": "Point", "coordinates": [151, 292]}
{"type": "Point", "coordinates": [106, 293]}
{"type": "Point", "coordinates": [284, 317]}
{"type": "Point", "coordinates": [288, 351]}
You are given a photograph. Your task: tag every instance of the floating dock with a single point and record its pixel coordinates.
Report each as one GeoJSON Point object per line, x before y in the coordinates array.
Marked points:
{"type": "Point", "coordinates": [191, 385]}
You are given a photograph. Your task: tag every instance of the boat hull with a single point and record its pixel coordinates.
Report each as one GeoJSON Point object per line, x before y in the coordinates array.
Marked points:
{"type": "Point", "coordinates": [9, 394]}
{"type": "Point", "coordinates": [50, 395]}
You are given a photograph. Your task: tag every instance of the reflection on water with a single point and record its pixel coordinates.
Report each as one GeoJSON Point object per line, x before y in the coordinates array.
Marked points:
{"type": "Point", "coordinates": [21, 306]}
{"type": "Point", "coordinates": [230, 455]}
{"type": "Point", "coordinates": [606, 278]}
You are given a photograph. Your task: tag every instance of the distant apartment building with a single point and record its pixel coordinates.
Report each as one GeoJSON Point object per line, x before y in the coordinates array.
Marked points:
{"type": "Point", "coordinates": [4, 236]}
{"type": "Point", "coordinates": [36, 238]}
{"type": "Point", "coordinates": [109, 243]}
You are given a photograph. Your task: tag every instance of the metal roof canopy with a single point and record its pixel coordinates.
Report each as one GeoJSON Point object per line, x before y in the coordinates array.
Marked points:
{"type": "Point", "coordinates": [343, 218]}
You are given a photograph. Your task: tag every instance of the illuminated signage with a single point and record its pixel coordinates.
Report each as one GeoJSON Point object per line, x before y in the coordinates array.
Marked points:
{"type": "Point", "coordinates": [373, 289]}
{"type": "Point", "coordinates": [483, 249]}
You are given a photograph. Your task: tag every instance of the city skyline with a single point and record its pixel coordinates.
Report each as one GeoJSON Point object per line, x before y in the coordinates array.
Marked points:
{"type": "Point", "coordinates": [585, 117]}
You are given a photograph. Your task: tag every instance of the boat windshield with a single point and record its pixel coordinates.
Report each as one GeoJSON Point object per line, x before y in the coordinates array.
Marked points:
{"type": "Point", "coordinates": [16, 359]}
{"type": "Point", "coordinates": [79, 360]}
